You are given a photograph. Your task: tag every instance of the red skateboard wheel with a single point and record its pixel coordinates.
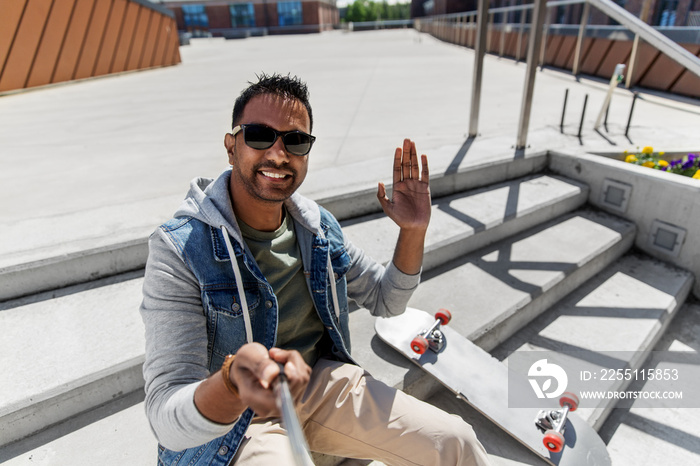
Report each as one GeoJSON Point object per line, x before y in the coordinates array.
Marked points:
{"type": "Point", "coordinates": [419, 345]}
{"type": "Point", "coordinates": [444, 316]}
{"type": "Point", "coordinates": [554, 441]}
{"type": "Point", "coordinates": [570, 399]}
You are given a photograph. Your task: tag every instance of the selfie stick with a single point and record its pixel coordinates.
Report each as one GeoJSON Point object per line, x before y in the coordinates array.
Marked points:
{"type": "Point", "coordinates": [285, 403]}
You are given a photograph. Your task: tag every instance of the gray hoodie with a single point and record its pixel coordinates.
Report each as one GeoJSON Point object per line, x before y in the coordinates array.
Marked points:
{"type": "Point", "coordinates": [176, 331]}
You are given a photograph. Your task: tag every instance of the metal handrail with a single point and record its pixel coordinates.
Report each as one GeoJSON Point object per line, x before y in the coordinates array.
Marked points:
{"type": "Point", "coordinates": [646, 32]}
{"type": "Point", "coordinates": [612, 10]}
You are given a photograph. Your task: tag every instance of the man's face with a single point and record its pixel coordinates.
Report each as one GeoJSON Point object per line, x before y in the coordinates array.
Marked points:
{"type": "Point", "coordinates": [268, 175]}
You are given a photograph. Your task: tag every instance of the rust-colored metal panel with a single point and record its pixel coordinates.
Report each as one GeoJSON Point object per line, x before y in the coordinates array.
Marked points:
{"type": "Point", "coordinates": [565, 52]}
{"type": "Point", "coordinates": [110, 39]}
{"type": "Point", "coordinates": [126, 36]}
{"type": "Point", "coordinates": [664, 72]}
{"type": "Point", "coordinates": [93, 39]}
{"type": "Point", "coordinates": [50, 47]}
{"type": "Point", "coordinates": [73, 42]}
{"type": "Point", "coordinates": [587, 43]}
{"type": "Point", "coordinates": [552, 49]}
{"type": "Point", "coordinates": [163, 39]}
{"type": "Point", "coordinates": [173, 50]}
{"type": "Point", "coordinates": [24, 48]}
{"type": "Point", "coordinates": [151, 38]}
{"type": "Point", "coordinates": [137, 45]}
{"type": "Point", "coordinates": [511, 44]}
{"type": "Point", "coordinates": [619, 52]}
{"type": "Point", "coordinates": [595, 56]}
{"type": "Point", "coordinates": [688, 84]}
{"type": "Point", "coordinates": [646, 56]}
{"type": "Point", "coordinates": [12, 11]}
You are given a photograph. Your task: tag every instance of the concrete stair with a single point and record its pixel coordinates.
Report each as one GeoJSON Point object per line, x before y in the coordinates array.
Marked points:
{"type": "Point", "coordinates": [513, 261]}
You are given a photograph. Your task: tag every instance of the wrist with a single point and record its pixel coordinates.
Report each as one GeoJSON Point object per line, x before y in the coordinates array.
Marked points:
{"type": "Point", "coordinates": [226, 375]}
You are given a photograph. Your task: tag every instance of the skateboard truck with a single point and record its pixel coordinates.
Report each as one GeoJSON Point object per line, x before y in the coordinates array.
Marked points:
{"type": "Point", "coordinates": [432, 337]}
{"type": "Point", "coordinates": [553, 422]}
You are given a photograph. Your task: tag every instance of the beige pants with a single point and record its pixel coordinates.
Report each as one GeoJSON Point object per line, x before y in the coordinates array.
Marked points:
{"type": "Point", "coordinates": [347, 413]}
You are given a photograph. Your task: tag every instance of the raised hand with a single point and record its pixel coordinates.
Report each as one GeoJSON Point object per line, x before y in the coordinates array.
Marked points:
{"type": "Point", "coordinates": [409, 206]}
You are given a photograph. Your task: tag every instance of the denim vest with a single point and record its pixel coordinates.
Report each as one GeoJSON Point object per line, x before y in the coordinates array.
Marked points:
{"type": "Point", "coordinates": [203, 249]}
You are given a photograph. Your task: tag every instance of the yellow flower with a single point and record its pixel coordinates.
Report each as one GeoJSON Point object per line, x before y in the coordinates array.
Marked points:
{"type": "Point", "coordinates": [649, 164]}
{"type": "Point", "coordinates": [663, 163]}
{"type": "Point", "coordinates": [661, 152]}
{"type": "Point", "coordinates": [697, 175]}
{"type": "Point", "coordinates": [630, 158]}
{"type": "Point", "coordinates": [648, 150]}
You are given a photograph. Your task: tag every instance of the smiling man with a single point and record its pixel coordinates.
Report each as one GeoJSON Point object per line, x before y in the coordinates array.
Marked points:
{"type": "Point", "coordinates": [249, 275]}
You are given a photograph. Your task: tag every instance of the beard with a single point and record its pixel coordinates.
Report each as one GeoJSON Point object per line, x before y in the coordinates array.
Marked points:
{"type": "Point", "coordinates": [262, 190]}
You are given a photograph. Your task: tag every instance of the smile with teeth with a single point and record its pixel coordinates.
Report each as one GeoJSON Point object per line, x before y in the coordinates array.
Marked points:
{"type": "Point", "coordinates": [273, 175]}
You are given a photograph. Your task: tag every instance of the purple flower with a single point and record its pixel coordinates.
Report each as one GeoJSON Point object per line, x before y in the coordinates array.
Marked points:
{"type": "Point", "coordinates": [692, 157]}
{"type": "Point", "coordinates": [688, 165]}
{"type": "Point", "coordinates": [676, 162]}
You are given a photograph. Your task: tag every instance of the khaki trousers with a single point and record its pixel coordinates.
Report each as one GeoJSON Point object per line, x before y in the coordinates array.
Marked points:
{"type": "Point", "coordinates": [347, 413]}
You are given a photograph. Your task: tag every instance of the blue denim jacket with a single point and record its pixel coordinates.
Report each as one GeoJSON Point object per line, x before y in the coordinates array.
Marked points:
{"type": "Point", "coordinates": [204, 251]}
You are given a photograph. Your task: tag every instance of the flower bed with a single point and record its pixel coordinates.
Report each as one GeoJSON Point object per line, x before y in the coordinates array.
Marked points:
{"type": "Point", "coordinates": [688, 165]}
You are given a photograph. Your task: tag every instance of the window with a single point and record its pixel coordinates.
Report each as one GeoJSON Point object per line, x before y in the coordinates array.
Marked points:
{"type": "Point", "coordinates": [195, 17]}
{"type": "Point", "coordinates": [289, 13]}
{"type": "Point", "coordinates": [242, 15]}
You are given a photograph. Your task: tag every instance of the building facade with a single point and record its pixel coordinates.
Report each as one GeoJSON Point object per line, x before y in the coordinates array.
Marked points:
{"type": "Point", "coordinates": [240, 18]}
{"type": "Point", "coordinates": [656, 12]}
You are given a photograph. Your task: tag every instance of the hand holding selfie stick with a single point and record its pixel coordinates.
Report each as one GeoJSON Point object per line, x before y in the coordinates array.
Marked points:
{"type": "Point", "coordinates": [285, 403]}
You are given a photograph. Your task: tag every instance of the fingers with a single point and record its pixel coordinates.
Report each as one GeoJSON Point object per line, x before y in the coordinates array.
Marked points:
{"type": "Point", "coordinates": [406, 165]}
{"type": "Point", "coordinates": [255, 370]}
{"type": "Point", "coordinates": [425, 173]}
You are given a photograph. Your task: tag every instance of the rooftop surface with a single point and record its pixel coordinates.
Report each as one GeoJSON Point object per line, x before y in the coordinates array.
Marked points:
{"type": "Point", "coordinates": [105, 160]}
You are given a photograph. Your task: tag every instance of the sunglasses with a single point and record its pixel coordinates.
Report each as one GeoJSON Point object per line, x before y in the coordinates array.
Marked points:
{"type": "Point", "coordinates": [263, 137]}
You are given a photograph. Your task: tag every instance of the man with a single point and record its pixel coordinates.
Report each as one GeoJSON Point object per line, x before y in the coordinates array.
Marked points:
{"type": "Point", "coordinates": [212, 351]}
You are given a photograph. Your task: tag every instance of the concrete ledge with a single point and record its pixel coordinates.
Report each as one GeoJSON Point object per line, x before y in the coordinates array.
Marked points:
{"type": "Point", "coordinates": [653, 196]}
{"type": "Point", "coordinates": [73, 268]}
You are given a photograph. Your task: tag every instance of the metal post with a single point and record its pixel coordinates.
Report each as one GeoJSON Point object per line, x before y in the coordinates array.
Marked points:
{"type": "Point", "coordinates": [563, 110]}
{"type": "Point", "coordinates": [581, 35]}
{"type": "Point", "coordinates": [482, 18]}
{"type": "Point", "coordinates": [523, 14]}
{"type": "Point", "coordinates": [544, 39]}
{"type": "Point", "coordinates": [535, 42]}
{"type": "Point", "coordinates": [583, 115]}
{"type": "Point", "coordinates": [629, 82]}
{"type": "Point", "coordinates": [503, 34]}
{"type": "Point", "coordinates": [629, 119]}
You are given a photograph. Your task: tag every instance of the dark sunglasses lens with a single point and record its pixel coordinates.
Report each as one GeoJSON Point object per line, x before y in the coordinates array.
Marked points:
{"type": "Point", "coordinates": [259, 137]}
{"type": "Point", "coordinates": [297, 143]}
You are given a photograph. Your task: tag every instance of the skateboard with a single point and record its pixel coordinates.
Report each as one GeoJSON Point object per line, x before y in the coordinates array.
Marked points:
{"type": "Point", "coordinates": [558, 436]}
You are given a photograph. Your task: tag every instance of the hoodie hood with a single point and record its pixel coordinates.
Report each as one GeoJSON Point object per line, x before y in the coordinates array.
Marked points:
{"type": "Point", "coordinates": [209, 201]}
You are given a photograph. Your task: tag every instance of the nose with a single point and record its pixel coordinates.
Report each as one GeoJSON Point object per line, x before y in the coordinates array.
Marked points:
{"type": "Point", "coordinates": [278, 151]}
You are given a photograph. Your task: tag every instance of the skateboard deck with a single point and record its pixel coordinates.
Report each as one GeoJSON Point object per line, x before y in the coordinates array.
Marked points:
{"type": "Point", "coordinates": [482, 381]}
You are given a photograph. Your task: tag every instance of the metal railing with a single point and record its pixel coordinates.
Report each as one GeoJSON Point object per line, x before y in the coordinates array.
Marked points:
{"type": "Point", "coordinates": [479, 21]}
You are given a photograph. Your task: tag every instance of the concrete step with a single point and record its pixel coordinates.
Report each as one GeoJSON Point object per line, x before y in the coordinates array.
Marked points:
{"type": "Point", "coordinates": [613, 321]}
{"type": "Point", "coordinates": [464, 222]}
{"type": "Point", "coordinates": [499, 289]}
{"type": "Point", "coordinates": [81, 317]}
{"type": "Point", "coordinates": [96, 242]}
{"type": "Point", "coordinates": [636, 434]}
{"type": "Point", "coordinates": [68, 351]}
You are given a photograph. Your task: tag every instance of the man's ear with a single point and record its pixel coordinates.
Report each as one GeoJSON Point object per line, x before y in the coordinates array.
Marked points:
{"type": "Point", "coordinates": [230, 145]}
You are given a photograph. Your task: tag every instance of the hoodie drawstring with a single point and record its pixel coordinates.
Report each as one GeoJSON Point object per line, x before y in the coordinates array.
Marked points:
{"type": "Point", "coordinates": [241, 292]}
{"type": "Point", "coordinates": [239, 284]}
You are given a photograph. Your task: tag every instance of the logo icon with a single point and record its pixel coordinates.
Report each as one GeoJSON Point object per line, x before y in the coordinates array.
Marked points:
{"type": "Point", "coordinates": [542, 370]}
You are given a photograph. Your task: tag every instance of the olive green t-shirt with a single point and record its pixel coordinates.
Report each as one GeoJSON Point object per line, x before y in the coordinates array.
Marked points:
{"type": "Point", "coordinates": [278, 256]}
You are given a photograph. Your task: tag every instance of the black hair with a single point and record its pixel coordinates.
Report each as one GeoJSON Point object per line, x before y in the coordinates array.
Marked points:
{"type": "Point", "coordinates": [276, 84]}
